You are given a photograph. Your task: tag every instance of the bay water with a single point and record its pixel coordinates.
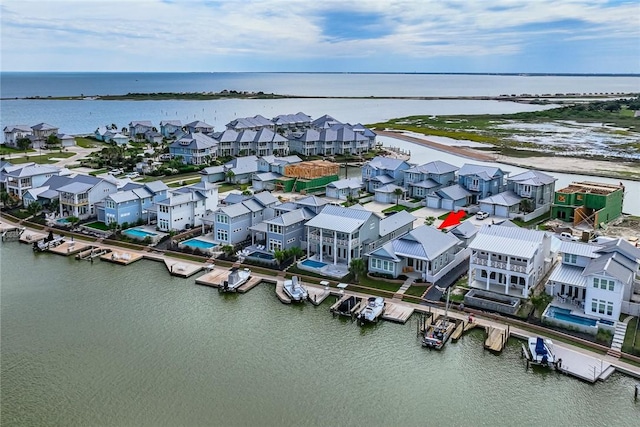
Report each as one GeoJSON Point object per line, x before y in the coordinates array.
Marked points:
{"type": "Point", "coordinates": [100, 344]}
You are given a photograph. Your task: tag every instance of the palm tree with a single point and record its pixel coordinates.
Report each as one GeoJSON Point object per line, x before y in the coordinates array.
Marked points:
{"type": "Point", "coordinates": [358, 268]}
{"type": "Point", "coordinates": [73, 220]}
{"type": "Point", "coordinates": [5, 198]}
{"type": "Point", "coordinates": [296, 252]}
{"type": "Point", "coordinates": [398, 192]}
{"type": "Point", "coordinates": [33, 208]}
{"type": "Point", "coordinates": [229, 175]}
{"type": "Point", "coordinates": [227, 250]}
{"type": "Point", "coordinates": [280, 256]}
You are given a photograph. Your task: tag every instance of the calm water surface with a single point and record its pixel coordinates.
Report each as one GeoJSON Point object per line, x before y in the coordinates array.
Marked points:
{"type": "Point", "coordinates": [99, 344]}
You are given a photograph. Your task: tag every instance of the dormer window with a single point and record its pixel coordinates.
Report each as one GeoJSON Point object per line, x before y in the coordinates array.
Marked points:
{"type": "Point", "coordinates": [571, 258]}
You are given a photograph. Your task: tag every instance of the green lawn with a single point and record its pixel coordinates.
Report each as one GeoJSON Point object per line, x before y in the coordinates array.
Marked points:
{"type": "Point", "coordinates": [98, 225]}
{"type": "Point", "coordinates": [415, 290]}
{"type": "Point", "coordinates": [633, 334]}
{"type": "Point", "coordinates": [394, 208]}
{"type": "Point", "coordinates": [184, 182]}
{"type": "Point", "coordinates": [42, 159]}
{"type": "Point", "coordinates": [377, 283]}
{"type": "Point", "coordinates": [89, 143]}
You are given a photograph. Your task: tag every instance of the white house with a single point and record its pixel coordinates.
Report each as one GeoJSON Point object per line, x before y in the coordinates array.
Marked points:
{"type": "Point", "coordinates": [15, 132]}
{"type": "Point", "coordinates": [20, 178]}
{"type": "Point", "coordinates": [509, 260]}
{"type": "Point", "coordinates": [80, 196]}
{"type": "Point", "coordinates": [185, 207]}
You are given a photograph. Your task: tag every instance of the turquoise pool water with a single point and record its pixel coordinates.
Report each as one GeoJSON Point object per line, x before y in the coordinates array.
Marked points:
{"type": "Point", "coordinates": [564, 314]}
{"type": "Point", "coordinates": [261, 255]}
{"type": "Point", "coordinates": [138, 233]}
{"type": "Point", "coordinates": [197, 243]}
{"type": "Point", "coordinates": [313, 264]}
{"type": "Point", "coordinates": [62, 221]}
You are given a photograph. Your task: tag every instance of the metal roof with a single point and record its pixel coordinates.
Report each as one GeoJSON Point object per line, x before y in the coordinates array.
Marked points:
{"type": "Point", "coordinates": [424, 242]}
{"type": "Point", "coordinates": [453, 192]}
{"type": "Point", "coordinates": [568, 274]}
{"type": "Point", "coordinates": [487, 173]}
{"type": "Point", "coordinates": [76, 187]}
{"type": "Point", "coordinates": [532, 178]}
{"type": "Point", "coordinates": [290, 218]}
{"type": "Point", "coordinates": [265, 198]}
{"type": "Point", "coordinates": [340, 219]}
{"type": "Point", "coordinates": [579, 248]}
{"type": "Point", "coordinates": [267, 176]}
{"type": "Point", "coordinates": [383, 179]}
{"type": "Point", "coordinates": [427, 183]}
{"type": "Point", "coordinates": [243, 165]}
{"type": "Point", "coordinates": [390, 188]}
{"type": "Point", "coordinates": [385, 163]}
{"type": "Point", "coordinates": [436, 167]}
{"type": "Point", "coordinates": [609, 265]}
{"type": "Point", "coordinates": [385, 251]}
{"type": "Point", "coordinates": [506, 198]}
{"type": "Point", "coordinates": [235, 210]}
{"type": "Point", "coordinates": [395, 221]}
{"type": "Point", "coordinates": [352, 183]}
{"type": "Point", "coordinates": [514, 241]}
{"type": "Point", "coordinates": [622, 246]}
{"type": "Point", "coordinates": [465, 229]}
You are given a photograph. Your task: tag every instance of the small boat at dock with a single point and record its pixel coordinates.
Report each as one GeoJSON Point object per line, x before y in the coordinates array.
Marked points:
{"type": "Point", "coordinates": [295, 290]}
{"type": "Point", "coordinates": [540, 352]}
{"type": "Point", "coordinates": [372, 311]}
{"type": "Point", "coordinates": [438, 333]}
{"type": "Point", "coordinates": [235, 279]}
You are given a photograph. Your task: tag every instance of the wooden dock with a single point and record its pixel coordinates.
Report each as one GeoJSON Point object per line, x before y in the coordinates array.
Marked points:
{"type": "Point", "coordinates": [121, 257]}
{"type": "Point", "coordinates": [282, 296]}
{"type": "Point", "coordinates": [92, 253]}
{"type": "Point", "coordinates": [214, 278]}
{"type": "Point", "coordinates": [317, 295]}
{"type": "Point", "coordinates": [251, 283]}
{"type": "Point", "coordinates": [181, 268]}
{"type": "Point", "coordinates": [69, 248]}
{"type": "Point", "coordinates": [28, 236]}
{"type": "Point", "coordinates": [396, 312]}
{"type": "Point", "coordinates": [496, 338]}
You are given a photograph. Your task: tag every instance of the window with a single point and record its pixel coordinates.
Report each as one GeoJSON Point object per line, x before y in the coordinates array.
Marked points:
{"type": "Point", "coordinates": [596, 282]}
{"type": "Point", "coordinates": [601, 306]}
{"type": "Point", "coordinates": [570, 258]}
{"type": "Point", "coordinates": [594, 305]}
{"type": "Point", "coordinates": [222, 235]}
{"type": "Point", "coordinates": [612, 285]}
{"type": "Point", "coordinates": [222, 219]}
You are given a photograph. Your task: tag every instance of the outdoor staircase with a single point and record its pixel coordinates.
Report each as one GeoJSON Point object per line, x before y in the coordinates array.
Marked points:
{"type": "Point", "coordinates": [406, 285]}
{"type": "Point", "coordinates": [618, 339]}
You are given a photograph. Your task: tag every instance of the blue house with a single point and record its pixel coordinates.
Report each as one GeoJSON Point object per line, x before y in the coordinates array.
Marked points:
{"type": "Point", "coordinates": [287, 230]}
{"type": "Point", "coordinates": [132, 203]}
{"type": "Point", "coordinates": [383, 170]}
{"type": "Point", "coordinates": [424, 179]}
{"type": "Point", "coordinates": [482, 181]}
{"type": "Point", "coordinates": [169, 128]}
{"type": "Point", "coordinates": [450, 198]}
{"type": "Point", "coordinates": [194, 149]}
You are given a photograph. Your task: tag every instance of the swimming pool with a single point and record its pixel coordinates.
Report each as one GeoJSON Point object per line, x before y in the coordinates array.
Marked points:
{"type": "Point", "coordinates": [62, 221]}
{"type": "Point", "coordinates": [261, 255]}
{"type": "Point", "coordinates": [138, 233]}
{"type": "Point", "coordinates": [197, 243]}
{"type": "Point", "coordinates": [313, 264]}
{"type": "Point", "coordinates": [565, 315]}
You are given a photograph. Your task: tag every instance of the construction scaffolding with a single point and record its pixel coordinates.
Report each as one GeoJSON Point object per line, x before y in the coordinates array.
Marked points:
{"type": "Point", "coordinates": [308, 177]}
{"type": "Point", "coordinates": [311, 169]}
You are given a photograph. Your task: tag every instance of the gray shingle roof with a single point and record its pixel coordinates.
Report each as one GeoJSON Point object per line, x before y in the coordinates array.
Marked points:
{"type": "Point", "coordinates": [609, 265]}
{"type": "Point", "coordinates": [385, 163]}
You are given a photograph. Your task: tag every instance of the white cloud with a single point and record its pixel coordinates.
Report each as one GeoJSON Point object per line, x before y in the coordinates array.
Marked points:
{"type": "Point", "coordinates": [184, 35]}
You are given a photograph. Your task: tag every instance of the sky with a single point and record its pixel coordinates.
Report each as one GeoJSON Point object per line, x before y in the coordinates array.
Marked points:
{"type": "Point", "coordinates": [424, 36]}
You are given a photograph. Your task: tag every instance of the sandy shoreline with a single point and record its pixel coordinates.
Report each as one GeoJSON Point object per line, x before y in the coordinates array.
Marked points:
{"type": "Point", "coordinates": [623, 170]}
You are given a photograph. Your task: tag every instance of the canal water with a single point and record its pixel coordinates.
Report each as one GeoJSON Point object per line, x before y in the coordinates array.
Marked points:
{"type": "Point", "coordinates": [100, 344]}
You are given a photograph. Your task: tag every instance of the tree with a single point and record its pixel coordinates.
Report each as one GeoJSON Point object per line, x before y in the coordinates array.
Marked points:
{"type": "Point", "coordinates": [23, 144]}
{"type": "Point", "coordinates": [227, 250]}
{"type": "Point", "coordinates": [73, 220]}
{"type": "Point", "coordinates": [5, 198]}
{"type": "Point", "coordinates": [358, 268]}
{"type": "Point", "coordinates": [526, 205]}
{"type": "Point", "coordinates": [34, 208]}
{"type": "Point", "coordinates": [54, 205]}
{"type": "Point", "coordinates": [53, 140]}
{"type": "Point", "coordinates": [280, 256]}
{"type": "Point", "coordinates": [398, 192]}
{"type": "Point", "coordinates": [229, 175]}
{"type": "Point", "coordinates": [296, 252]}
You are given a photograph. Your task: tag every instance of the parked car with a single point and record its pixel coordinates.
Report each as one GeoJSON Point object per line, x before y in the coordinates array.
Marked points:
{"type": "Point", "coordinates": [482, 215]}
{"type": "Point", "coordinates": [116, 171]}
{"type": "Point", "coordinates": [568, 236]}
{"type": "Point", "coordinates": [132, 175]}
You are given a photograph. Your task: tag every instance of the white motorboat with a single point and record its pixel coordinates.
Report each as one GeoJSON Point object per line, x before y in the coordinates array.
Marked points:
{"type": "Point", "coordinates": [541, 351]}
{"type": "Point", "coordinates": [235, 279]}
{"type": "Point", "coordinates": [373, 310]}
{"type": "Point", "coordinates": [295, 290]}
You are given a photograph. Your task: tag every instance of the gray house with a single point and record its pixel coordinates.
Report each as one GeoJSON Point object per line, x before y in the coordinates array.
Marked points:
{"type": "Point", "coordinates": [425, 250]}
{"type": "Point", "coordinates": [287, 230]}
{"type": "Point", "coordinates": [429, 177]}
